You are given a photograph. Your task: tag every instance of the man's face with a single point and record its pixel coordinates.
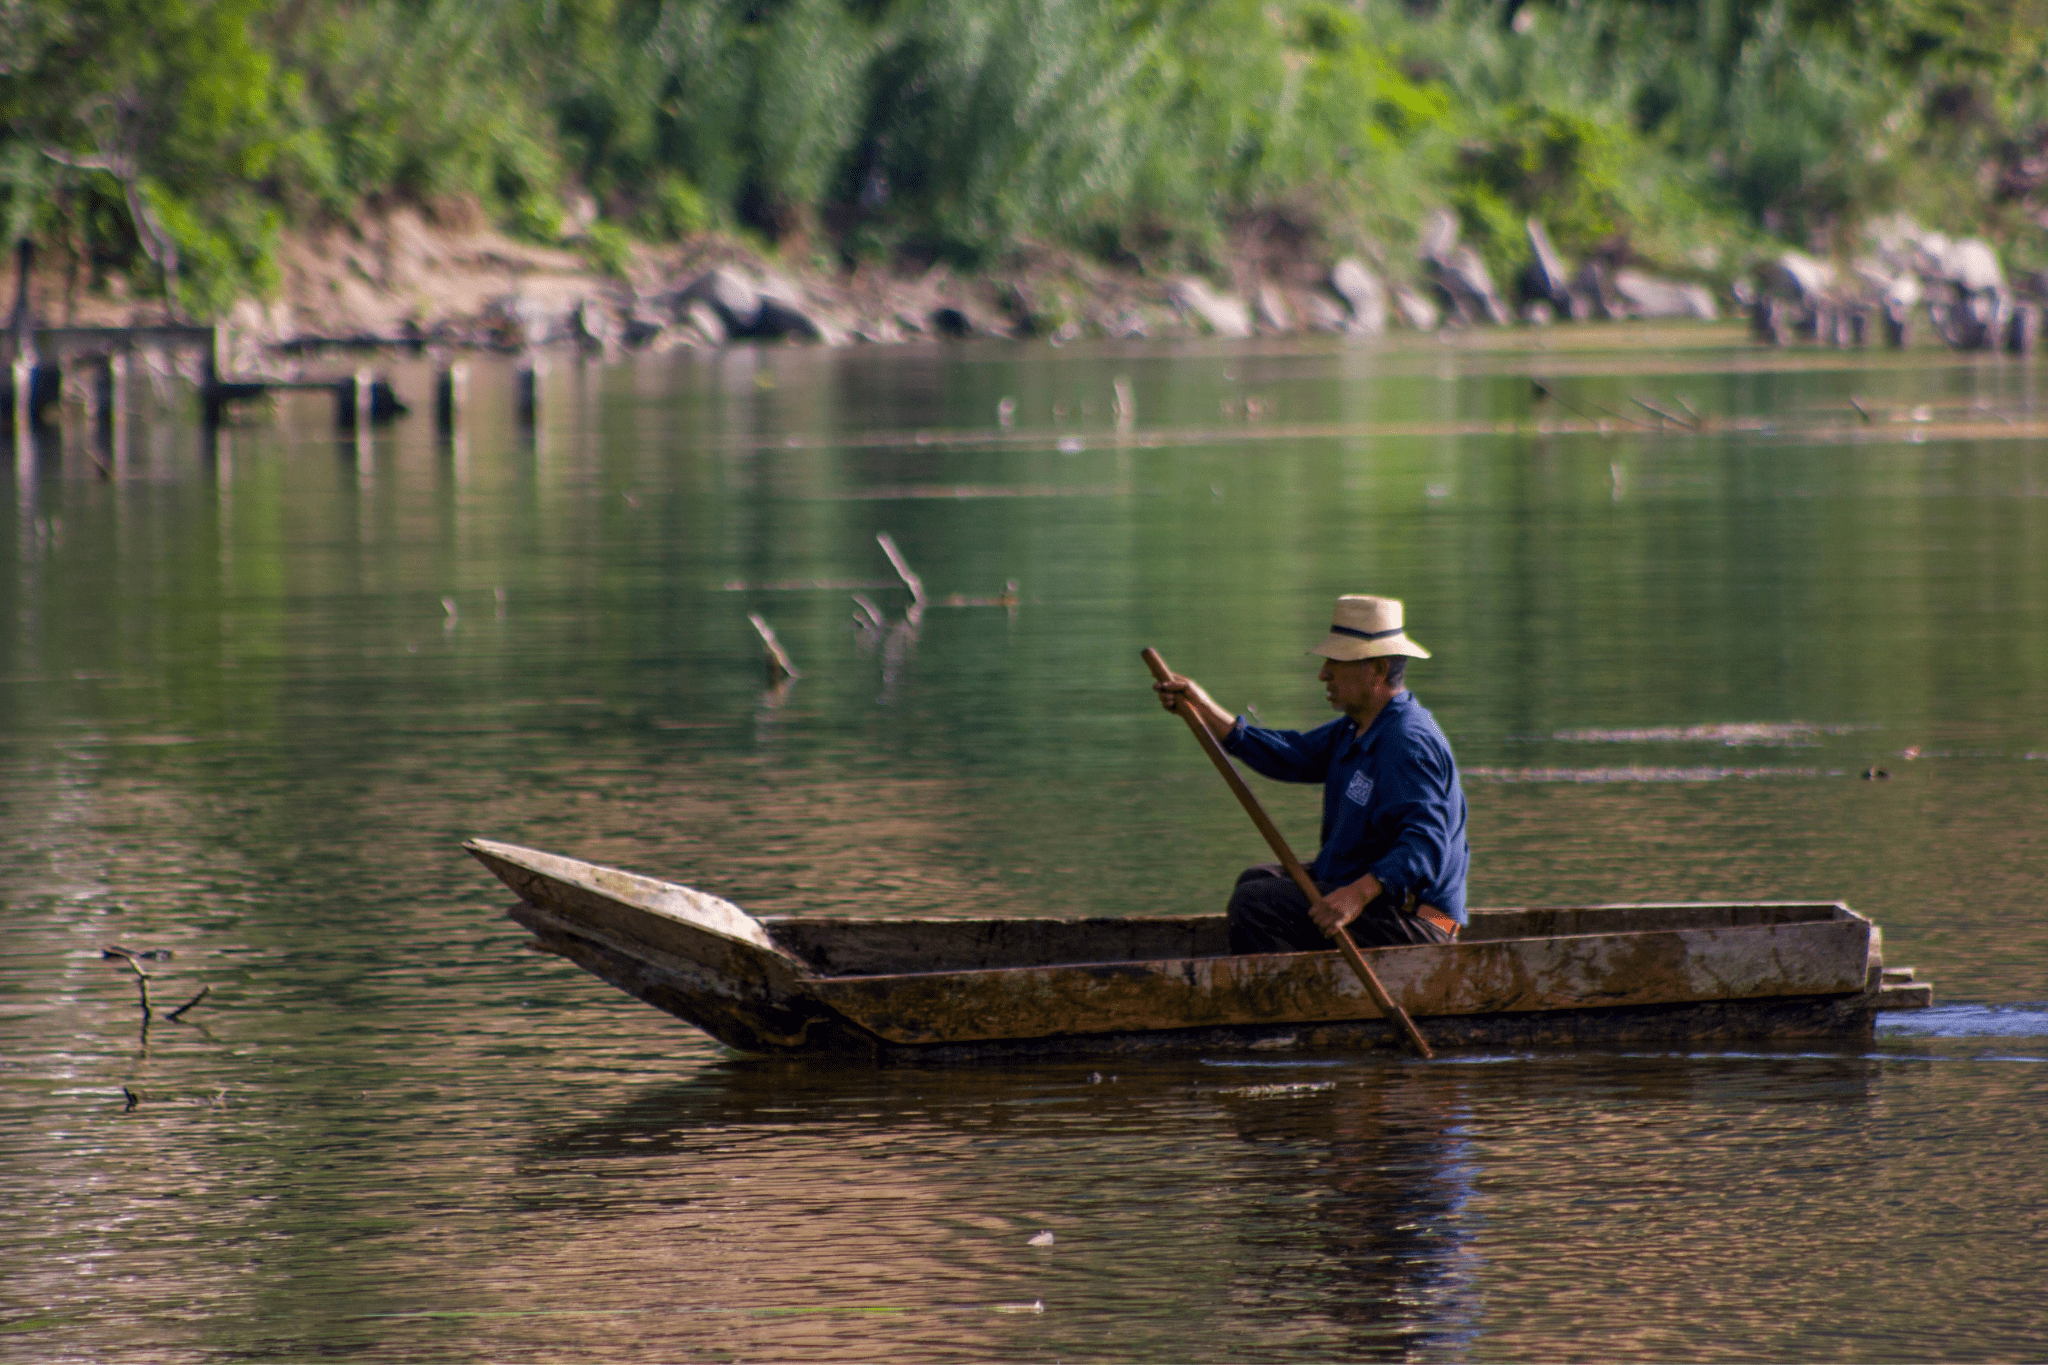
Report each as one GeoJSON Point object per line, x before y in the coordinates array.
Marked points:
{"type": "Point", "coordinates": [1349, 683]}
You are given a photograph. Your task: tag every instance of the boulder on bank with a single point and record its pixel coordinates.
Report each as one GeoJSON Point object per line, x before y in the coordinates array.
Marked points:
{"type": "Point", "coordinates": [1973, 265]}
{"type": "Point", "coordinates": [1219, 313]}
{"type": "Point", "coordinates": [1463, 278]}
{"type": "Point", "coordinates": [1273, 313]}
{"type": "Point", "coordinates": [1458, 272]}
{"type": "Point", "coordinates": [597, 327]}
{"type": "Point", "coordinates": [764, 308]}
{"type": "Point", "coordinates": [1438, 235]}
{"type": "Point", "coordinates": [1646, 296]}
{"type": "Point", "coordinates": [1363, 294]}
{"type": "Point", "coordinates": [733, 295]}
{"type": "Point", "coordinates": [1592, 292]}
{"type": "Point", "coordinates": [704, 322]}
{"type": "Point", "coordinates": [1970, 263]}
{"type": "Point", "coordinates": [1325, 313]}
{"type": "Point", "coordinates": [1799, 277]}
{"type": "Point", "coordinates": [1415, 310]}
{"type": "Point", "coordinates": [1547, 280]}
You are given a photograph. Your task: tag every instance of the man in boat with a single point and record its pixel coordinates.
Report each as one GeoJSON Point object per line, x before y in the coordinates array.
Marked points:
{"type": "Point", "coordinates": [1393, 859]}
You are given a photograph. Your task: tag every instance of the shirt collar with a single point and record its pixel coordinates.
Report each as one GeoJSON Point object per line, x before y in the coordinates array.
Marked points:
{"type": "Point", "coordinates": [1402, 698]}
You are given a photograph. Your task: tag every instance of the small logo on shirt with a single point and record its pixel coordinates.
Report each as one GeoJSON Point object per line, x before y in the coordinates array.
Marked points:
{"type": "Point", "coordinates": [1360, 790]}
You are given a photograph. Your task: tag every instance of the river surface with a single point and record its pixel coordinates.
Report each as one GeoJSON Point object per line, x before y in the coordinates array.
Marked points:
{"type": "Point", "coordinates": [254, 696]}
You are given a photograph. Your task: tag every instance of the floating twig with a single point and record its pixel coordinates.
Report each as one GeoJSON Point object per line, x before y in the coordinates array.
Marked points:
{"type": "Point", "coordinates": [141, 977]}
{"type": "Point", "coordinates": [1618, 417]}
{"type": "Point", "coordinates": [780, 669]}
{"type": "Point", "coordinates": [204, 991]}
{"type": "Point", "coordinates": [870, 617]}
{"type": "Point", "coordinates": [1542, 391]}
{"type": "Point", "coordinates": [1663, 413]}
{"type": "Point", "coordinates": [903, 571]}
{"type": "Point", "coordinates": [147, 955]}
{"type": "Point", "coordinates": [901, 565]}
{"type": "Point", "coordinates": [1006, 598]}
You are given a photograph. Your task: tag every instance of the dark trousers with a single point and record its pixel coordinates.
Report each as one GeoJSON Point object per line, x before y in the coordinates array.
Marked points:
{"type": "Point", "coordinates": [1269, 914]}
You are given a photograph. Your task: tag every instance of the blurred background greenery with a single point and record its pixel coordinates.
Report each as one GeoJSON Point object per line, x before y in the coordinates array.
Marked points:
{"type": "Point", "coordinates": [168, 143]}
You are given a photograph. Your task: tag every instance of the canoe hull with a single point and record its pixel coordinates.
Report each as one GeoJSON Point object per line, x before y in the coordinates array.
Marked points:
{"type": "Point", "coordinates": [786, 1024]}
{"type": "Point", "coordinates": [1640, 975]}
{"type": "Point", "coordinates": [1762, 1020]}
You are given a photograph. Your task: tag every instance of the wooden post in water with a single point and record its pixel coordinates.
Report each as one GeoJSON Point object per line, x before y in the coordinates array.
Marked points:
{"type": "Point", "coordinates": [451, 395]}
{"type": "Point", "coordinates": [355, 400]}
{"type": "Point", "coordinates": [99, 402]}
{"type": "Point", "coordinates": [211, 400]}
{"type": "Point", "coordinates": [776, 658]}
{"type": "Point", "coordinates": [2023, 330]}
{"type": "Point", "coordinates": [345, 404]}
{"type": "Point", "coordinates": [32, 385]}
{"type": "Point", "coordinates": [117, 410]}
{"type": "Point", "coordinates": [24, 400]}
{"type": "Point", "coordinates": [526, 388]}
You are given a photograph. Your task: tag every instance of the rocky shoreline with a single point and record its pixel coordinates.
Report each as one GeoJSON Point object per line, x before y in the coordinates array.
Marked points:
{"type": "Point", "coordinates": [405, 281]}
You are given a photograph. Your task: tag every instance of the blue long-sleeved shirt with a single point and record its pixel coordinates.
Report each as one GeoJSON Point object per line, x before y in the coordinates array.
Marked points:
{"type": "Point", "coordinates": [1391, 801]}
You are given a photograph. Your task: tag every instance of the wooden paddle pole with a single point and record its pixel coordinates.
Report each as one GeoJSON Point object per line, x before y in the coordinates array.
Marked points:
{"type": "Point", "coordinates": [1278, 843]}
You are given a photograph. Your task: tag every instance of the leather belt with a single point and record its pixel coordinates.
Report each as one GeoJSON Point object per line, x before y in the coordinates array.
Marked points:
{"type": "Point", "coordinates": [1430, 915]}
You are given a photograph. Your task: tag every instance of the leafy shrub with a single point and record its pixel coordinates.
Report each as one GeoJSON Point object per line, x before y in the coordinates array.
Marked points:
{"type": "Point", "coordinates": [1145, 131]}
{"type": "Point", "coordinates": [608, 247]}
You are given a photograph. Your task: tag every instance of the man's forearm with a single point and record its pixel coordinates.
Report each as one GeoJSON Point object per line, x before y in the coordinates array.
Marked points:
{"type": "Point", "coordinates": [1219, 721]}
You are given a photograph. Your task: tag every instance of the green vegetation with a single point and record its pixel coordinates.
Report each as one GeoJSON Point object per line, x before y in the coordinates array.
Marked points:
{"type": "Point", "coordinates": [169, 142]}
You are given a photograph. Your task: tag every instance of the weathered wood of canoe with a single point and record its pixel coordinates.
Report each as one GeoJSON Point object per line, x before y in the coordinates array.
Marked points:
{"type": "Point", "coordinates": [873, 947]}
{"type": "Point", "coordinates": [1497, 977]}
{"type": "Point", "coordinates": [957, 988]}
{"type": "Point", "coordinates": [845, 946]}
{"type": "Point", "coordinates": [697, 994]}
{"type": "Point", "coordinates": [1779, 1019]}
{"type": "Point", "coordinates": [726, 950]}
{"type": "Point", "coordinates": [545, 878]}
{"type": "Point", "coordinates": [1555, 921]}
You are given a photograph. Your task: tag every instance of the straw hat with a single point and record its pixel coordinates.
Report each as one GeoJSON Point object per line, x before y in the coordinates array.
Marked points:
{"type": "Point", "coordinates": [1367, 628]}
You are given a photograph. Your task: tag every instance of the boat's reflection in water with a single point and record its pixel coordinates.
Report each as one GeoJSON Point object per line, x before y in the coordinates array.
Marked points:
{"type": "Point", "coordinates": [1356, 1207]}
{"type": "Point", "coordinates": [1306, 1207]}
{"type": "Point", "coordinates": [1383, 1176]}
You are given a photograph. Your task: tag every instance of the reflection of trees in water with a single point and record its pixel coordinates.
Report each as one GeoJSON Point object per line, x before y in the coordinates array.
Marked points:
{"type": "Point", "coordinates": [1380, 1174]}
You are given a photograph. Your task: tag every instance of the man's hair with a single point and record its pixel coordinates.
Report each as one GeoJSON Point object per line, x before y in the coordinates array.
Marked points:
{"type": "Point", "coordinates": [1393, 667]}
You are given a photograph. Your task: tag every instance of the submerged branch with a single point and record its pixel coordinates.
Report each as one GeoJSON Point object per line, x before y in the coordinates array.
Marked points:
{"type": "Point", "coordinates": [204, 991]}
{"type": "Point", "coordinates": [141, 977]}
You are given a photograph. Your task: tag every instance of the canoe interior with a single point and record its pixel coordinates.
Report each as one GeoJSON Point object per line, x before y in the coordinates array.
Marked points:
{"type": "Point", "coordinates": [873, 947]}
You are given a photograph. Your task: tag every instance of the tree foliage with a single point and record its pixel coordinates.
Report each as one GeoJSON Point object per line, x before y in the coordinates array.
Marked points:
{"type": "Point", "coordinates": [171, 140]}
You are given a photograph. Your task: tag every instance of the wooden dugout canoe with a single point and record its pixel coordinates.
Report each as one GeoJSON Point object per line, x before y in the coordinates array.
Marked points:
{"type": "Point", "coordinates": [946, 989]}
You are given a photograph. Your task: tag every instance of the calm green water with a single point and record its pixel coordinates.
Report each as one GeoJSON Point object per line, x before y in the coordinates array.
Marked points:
{"type": "Point", "coordinates": [251, 700]}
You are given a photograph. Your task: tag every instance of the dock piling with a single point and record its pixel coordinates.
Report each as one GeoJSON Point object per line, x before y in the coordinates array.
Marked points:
{"type": "Point", "coordinates": [526, 389]}
{"type": "Point", "coordinates": [2023, 329]}
{"type": "Point", "coordinates": [362, 400]}
{"type": "Point", "coordinates": [451, 395]}
{"type": "Point", "coordinates": [22, 402]}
